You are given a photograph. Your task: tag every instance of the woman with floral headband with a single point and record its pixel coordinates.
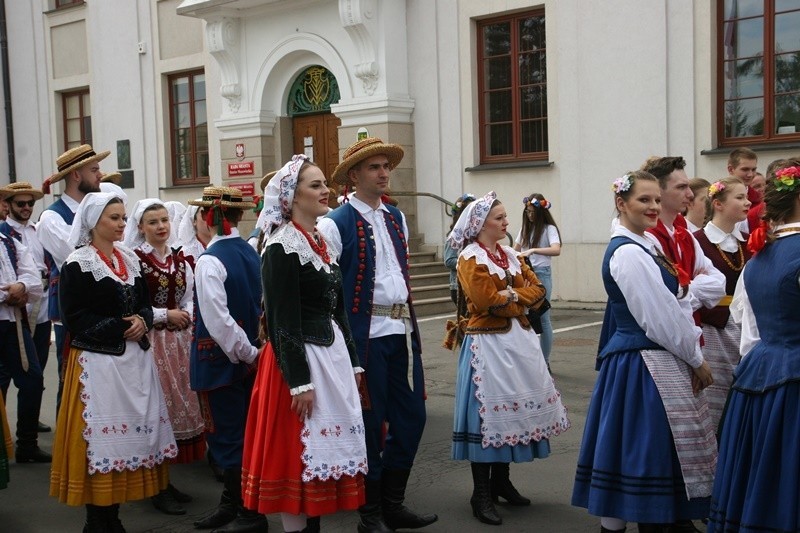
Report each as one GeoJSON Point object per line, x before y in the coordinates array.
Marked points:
{"type": "Point", "coordinates": [726, 247]}
{"type": "Point", "coordinates": [507, 405]}
{"type": "Point", "coordinates": [648, 448]}
{"type": "Point", "coordinates": [539, 241]}
{"type": "Point", "coordinates": [305, 455]}
{"type": "Point", "coordinates": [758, 473]}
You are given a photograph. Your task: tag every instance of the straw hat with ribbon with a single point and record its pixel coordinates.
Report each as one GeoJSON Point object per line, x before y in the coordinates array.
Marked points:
{"type": "Point", "coordinates": [112, 177]}
{"type": "Point", "coordinates": [20, 187]}
{"type": "Point", "coordinates": [364, 149]}
{"type": "Point", "coordinates": [73, 159]}
{"type": "Point", "coordinates": [217, 200]}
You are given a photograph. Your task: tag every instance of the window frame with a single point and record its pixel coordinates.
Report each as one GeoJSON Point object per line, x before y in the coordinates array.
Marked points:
{"type": "Point", "coordinates": [195, 180]}
{"type": "Point", "coordinates": [80, 93]}
{"type": "Point", "coordinates": [516, 120]}
{"type": "Point", "coordinates": [769, 135]}
{"type": "Point", "coordinates": [64, 4]}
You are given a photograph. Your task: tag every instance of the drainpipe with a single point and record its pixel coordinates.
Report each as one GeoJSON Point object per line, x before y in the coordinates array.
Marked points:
{"type": "Point", "coordinates": [12, 166]}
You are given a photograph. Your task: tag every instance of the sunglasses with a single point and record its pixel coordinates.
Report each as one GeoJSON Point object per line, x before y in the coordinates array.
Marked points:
{"type": "Point", "coordinates": [22, 204]}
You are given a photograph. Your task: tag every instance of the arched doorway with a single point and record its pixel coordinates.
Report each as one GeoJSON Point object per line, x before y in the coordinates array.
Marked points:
{"type": "Point", "coordinates": [315, 128]}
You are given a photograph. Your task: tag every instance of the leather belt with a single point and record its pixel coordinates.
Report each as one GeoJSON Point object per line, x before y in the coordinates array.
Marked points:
{"type": "Point", "coordinates": [396, 311]}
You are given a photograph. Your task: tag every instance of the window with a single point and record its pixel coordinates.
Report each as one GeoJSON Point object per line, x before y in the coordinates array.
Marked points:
{"type": "Point", "coordinates": [759, 71]}
{"type": "Point", "coordinates": [67, 3]}
{"type": "Point", "coordinates": [188, 128]}
{"type": "Point", "coordinates": [77, 118]}
{"type": "Point", "coordinates": [512, 88]}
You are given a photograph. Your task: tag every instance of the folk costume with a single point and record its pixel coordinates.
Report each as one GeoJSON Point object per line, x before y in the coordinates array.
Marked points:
{"type": "Point", "coordinates": [113, 436]}
{"type": "Point", "coordinates": [721, 334]}
{"type": "Point", "coordinates": [316, 466]}
{"type": "Point", "coordinates": [648, 450]}
{"type": "Point", "coordinates": [371, 248]}
{"type": "Point", "coordinates": [757, 486]}
{"type": "Point", "coordinates": [507, 406]}
{"type": "Point", "coordinates": [170, 283]}
{"type": "Point", "coordinates": [187, 240]}
{"type": "Point", "coordinates": [225, 344]}
{"type": "Point", "coordinates": [17, 351]}
{"type": "Point", "coordinates": [53, 230]}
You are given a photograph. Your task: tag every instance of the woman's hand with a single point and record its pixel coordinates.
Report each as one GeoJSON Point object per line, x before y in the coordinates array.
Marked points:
{"type": "Point", "coordinates": [303, 404]}
{"type": "Point", "coordinates": [526, 253]}
{"type": "Point", "coordinates": [701, 378]}
{"type": "Point", "coordinates": [136, 330]}
{"type": "Point", "coordinates": [178, 318]}
{"type": "Point", "coordinates": [358, 379]}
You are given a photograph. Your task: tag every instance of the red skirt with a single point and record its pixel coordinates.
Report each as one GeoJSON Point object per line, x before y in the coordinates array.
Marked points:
{"type": "Point", "coordinates": [191, 450]}
{"type": "Point", "coordinates": [272, 467]}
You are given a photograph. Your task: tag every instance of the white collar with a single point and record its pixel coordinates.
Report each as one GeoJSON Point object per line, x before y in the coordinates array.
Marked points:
{"type": "Point", "coordinates": [792, 226]}
{"type": "Point", "coordinates": [364, 208]}
{"type": "Point", "coordinates": [622, 231]}
{"type": "Point", "coordinates": [19, 226]}
{"type": "Point", "coordinates": [71, 202]}
{"type": "Point", "coordinates": [717, 236]}
{"type": "Point", "coordinates": [234, 233]}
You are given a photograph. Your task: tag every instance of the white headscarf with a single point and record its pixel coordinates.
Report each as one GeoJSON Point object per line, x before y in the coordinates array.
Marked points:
{"type": "Point", "coordinates": [133, 237]}
{"type": "Point", "coordinates": [86, 217]}
{"type": "Point", "coordinates": [471, 221]}
{"type": "Point", "coordinates": [113, 188]}
{"type": "Point", "coordinates": [176, 211]}
{"type": "Point", "coordinates": [186, 231]}
{"type": "Point", "coordinates": [279, 195]}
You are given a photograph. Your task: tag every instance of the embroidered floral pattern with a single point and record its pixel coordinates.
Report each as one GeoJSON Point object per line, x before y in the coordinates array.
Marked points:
{"type": "Point", "coordinates": [325, 471]}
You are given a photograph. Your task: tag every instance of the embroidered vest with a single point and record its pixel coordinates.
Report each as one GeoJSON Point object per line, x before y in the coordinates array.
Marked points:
{"type": "Point", "coordinates": [357, 263]}
{"type": "Point", "coordinates": [621, 332]}
{"type": "Point", "coordinates": [60, 207]}
{"type": "Point", "coordinates": [11, 249]}
{"type": "Point", "coordinates": [209, 367]}
{"type": "Point", "coordinates": [166, 288]}
{"type": "Point", "coordinates": [718, 316]}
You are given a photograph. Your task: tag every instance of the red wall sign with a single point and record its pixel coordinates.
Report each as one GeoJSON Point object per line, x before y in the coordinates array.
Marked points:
{"type": "Point", "coordinates": [246, 168]}
{"type": "Point", "coordinates": [247, 188]}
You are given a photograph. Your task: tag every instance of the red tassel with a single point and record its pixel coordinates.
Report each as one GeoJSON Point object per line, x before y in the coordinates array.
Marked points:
{"type": "Point", "coordinates": [226, 226]}
{"type": "Point", "coordinates": [758, 239]}
{"type": "Point", "coordinates": [46, 186]}
{"type": "Point", "coordinates": [210, 216]}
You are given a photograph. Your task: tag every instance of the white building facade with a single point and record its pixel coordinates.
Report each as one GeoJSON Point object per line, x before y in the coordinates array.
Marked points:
{"type": "Point", "coordinates": [558, 97]}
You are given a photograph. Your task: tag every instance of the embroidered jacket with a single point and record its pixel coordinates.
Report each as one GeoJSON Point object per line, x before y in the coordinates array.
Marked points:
{"type": "Point", "coordinates": [481, 281]}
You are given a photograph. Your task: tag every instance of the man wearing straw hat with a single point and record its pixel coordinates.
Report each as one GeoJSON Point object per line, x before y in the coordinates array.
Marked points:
{"type": "Point", "coordinates": [20, 198]}
{"type": "Point", "coordinates": [79, 168]}
{"type": "Point", "coordinates": [20, 283]}
{"type": "Point", "coordinates": [225, 346]}
{"type": "Point", "coordinates": [369, 237]}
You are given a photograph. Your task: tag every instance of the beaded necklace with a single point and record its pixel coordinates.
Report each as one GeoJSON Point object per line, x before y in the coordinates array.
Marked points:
{"type": "Point", "coordinates": [166, 265]}
{"type": "Point", "coordinates": [500, 260]}
{"type": "Point", "coordinates": [321, 248]}
{"type": "Point", "coordinates": [730, 263]}
{"type": "Point", "coordinates": [122, 271]}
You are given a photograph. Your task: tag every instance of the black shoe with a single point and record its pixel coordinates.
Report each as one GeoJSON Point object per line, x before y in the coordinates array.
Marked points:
{"type": "Point", "coordinates": [246, 521]}
{"type": "Point", "coordinates": [229, 502]}
{"type": "Point", "coordinates": [165, 502]}
{"type": "Point", "coordinates": [372, 519]}
{"type": "Point", "coordinates": [180, 497]}
{"type": "Point", "coordinates": [481, 501]}
{"type": "Point", "coordinates": [43, 428]}
{"type": "Point", "coordinates": [503, 488]}
{"type": "Point", "coordinates": [32, 454]}
{"type": "Point", "coordinates": [223, 514]}
{"type": "Point", "coordinates": [654, 528]}
{"type": "Point", "coordinates": [395, 514]}
{"type": "Point", "coordinates": [312, 525]}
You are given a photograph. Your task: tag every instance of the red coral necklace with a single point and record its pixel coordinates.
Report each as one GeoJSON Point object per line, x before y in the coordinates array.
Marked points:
{"type": "Point", "coordinates": [320, 248]}
{"type": "Point", "coordinates": [500, 260]}
{"type": "Point", "coordinates": [122, 271]}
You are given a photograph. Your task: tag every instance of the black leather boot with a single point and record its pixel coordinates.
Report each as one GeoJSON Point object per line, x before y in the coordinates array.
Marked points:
{"type": "Point", "coordinates": [653, 528]}
{"type": "Point", "coordinates": [393, 493]}
{"type": "Point", "coordinates": [95, 519]}
{"type": "Point", "coordinates": [180, 497]}
{"type": "Point", "coordinates": [112, 519]}
{"type": "Point", "coordinates": [228, 502]}
{"type": "Point", "coordinates": [312, 525]}
{"type": "Point", "coordinates": [246, 521]}
{"type": "Point", "coordinates": [371, 512]}
{"type": "Point", "coordinates": [502, 487]}
{"type": "Point", "coordinates": [481, 501]}
{"type": "Point", "coordinates": [165, 502]}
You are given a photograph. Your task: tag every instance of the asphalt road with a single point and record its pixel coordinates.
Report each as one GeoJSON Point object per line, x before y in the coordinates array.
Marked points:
{"type": "Point", "coordinates": [437, 483]}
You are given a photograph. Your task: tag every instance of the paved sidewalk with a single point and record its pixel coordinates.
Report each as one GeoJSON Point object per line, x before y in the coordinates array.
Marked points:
{"type": "Point", "coordinates": [437, 484]}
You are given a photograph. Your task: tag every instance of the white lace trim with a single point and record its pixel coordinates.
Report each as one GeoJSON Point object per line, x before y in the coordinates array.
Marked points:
{"type": "Point", "coordinates": [295, 242]}
{"type": "Point", "coordinates": [89, 262]}
{"type": "Point", "coordinates": [294, 391]}
{"type": "Point", "coordinates": [482, 258]}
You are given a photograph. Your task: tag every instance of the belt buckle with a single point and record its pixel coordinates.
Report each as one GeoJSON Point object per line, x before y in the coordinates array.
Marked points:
{"type": "Point", "coordinates": [397, 311]}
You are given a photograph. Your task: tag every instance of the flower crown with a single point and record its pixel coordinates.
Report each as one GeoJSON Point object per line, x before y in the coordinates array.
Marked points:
{"type": "Point", "coordinates": [535, 202]}
{"type": "Point", "coordinates": [459, 204]}
{"type": "Point", "coordinates": [787, 179]}
{"type": "Point", "coordinates": [622, 184]}
{"type": "Point", "coordinates": [715, 188]}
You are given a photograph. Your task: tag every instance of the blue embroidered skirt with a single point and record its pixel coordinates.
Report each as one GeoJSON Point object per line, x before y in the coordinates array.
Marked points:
{"type": "Point", "coordinates": [467, 423]}
{"type": "Point", "coordinates": [757, 486]}
{"type": "Point", "coordinates": [627, 466]}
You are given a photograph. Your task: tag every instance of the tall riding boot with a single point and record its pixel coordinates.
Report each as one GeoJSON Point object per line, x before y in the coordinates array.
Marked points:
{"type": "Point", "coordinates": [481, 501]}
{"type": "Point", "coordinates": [371, 512]}
{"type": "Point", "coordinates": [502, 487]}
{"type": "Point", "coordinates": [112, 519]}
{"type": "Point", "coordinates": [95, 519]}
{"type": "Point", "coordinates": [226, 510]}
{"type": "Point", "coordinates": [245, 520]}
{"type": "Point", "coordinates": [28, 450]}
{"type": "Point", "coordinates": [393, 492]}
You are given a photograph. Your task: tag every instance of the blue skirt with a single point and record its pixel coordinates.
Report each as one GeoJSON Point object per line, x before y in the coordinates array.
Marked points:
{"type": "Point", "coordinates": [467, 423]}
{"type": "Point", "coordinates": [757, 486]}
{"type": "Point", "coordinates": [627, 466]}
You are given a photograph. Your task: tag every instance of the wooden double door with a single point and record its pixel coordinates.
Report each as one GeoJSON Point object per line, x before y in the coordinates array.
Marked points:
{"type": "Point", "coordinates": [317, 136]}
